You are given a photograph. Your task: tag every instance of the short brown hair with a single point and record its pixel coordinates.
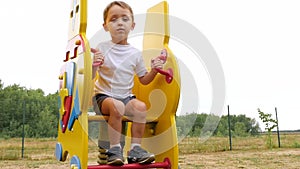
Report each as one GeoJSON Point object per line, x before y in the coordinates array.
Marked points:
{"type": "Point", "coordinates": [119, 3]}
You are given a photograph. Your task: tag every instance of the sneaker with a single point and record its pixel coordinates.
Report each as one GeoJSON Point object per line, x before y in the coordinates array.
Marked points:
{"type": "Point", "coordinates": [115, 156]}
{"type": "Point", "coordinates": [139, 155]}
{"type": "Point", "coordinates": [102, 156]}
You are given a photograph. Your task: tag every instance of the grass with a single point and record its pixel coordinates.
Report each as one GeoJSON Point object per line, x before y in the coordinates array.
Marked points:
{"type": "Point", "coordinates": [217, 144]}
{"type": "Point", "coordinates": [248, 152]}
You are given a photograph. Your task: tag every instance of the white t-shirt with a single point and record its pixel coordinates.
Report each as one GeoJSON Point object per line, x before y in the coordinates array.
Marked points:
{"type": "Point", "coordinates": [116, 75]}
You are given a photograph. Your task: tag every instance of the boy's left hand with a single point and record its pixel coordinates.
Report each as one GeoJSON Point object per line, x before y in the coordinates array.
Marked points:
{"type": "Point", "coordinates": [156, 63]}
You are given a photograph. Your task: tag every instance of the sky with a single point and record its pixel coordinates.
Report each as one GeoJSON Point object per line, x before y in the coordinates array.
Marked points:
{"type": "Point", "coordinates": [256, 41]}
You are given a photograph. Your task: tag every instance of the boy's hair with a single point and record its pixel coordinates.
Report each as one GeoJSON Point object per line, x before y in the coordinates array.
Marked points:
{"type": "Point", "coordinates": [119, 3]}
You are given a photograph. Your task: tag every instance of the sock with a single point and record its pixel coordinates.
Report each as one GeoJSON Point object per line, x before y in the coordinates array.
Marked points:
{"type": "Point", "coordinates": [115, 145]}
{"type": "Point", "coordinates": [134, 144]}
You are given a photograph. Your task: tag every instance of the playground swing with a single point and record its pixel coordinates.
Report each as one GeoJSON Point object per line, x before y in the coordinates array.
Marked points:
{"type": "Point", "coordinates": [75, 91]}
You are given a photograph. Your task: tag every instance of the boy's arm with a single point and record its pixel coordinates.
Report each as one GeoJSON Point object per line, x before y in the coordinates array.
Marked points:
{"type": "Point", "coordinates": [156, 63]}
{"type": "Point", "coordinates": [98, 60]}
{"type": "Point", "coordinates": [94, 71]}
{"type": "Point", "coordinates": [149, 76]}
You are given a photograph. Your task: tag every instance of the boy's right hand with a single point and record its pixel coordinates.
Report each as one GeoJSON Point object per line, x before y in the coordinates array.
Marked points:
{"type": "Point", "coordinates": [98, 58]}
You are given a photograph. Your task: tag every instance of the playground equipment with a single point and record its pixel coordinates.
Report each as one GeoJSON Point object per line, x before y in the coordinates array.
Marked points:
{"type": "Point", "coordinates": [76, 85]}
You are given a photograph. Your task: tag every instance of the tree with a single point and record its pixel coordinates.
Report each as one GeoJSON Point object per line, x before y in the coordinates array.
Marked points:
{"type": "Point", "coordinates": [270, 124]}
{"type": "Point", "coordinates": [41, 112]}
{"type": "Point", "coordinates": [240, 129]}
{"type": "Point", "coordinates": [1, 84]}
{"type": "Point", "coordinates": [205, 124]}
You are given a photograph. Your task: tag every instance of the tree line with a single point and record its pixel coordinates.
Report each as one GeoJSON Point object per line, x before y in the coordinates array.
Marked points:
{"type": "Point", "coordinates": [39, 113]}
{"type": "Point", "coordinates": [196, 125]}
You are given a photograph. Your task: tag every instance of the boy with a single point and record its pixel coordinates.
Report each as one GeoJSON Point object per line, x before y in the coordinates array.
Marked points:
{"type": "Point", "coordinates": [113, 88]}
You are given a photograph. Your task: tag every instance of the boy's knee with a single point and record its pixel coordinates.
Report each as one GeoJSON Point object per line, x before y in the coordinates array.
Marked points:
{"type": "Point", "coordinates": [117, 109]}
{"type": "Point", "coordinates": [141, 111]}
{"type": "Point", "coordinates": [116, 114]}
{"type": "Point", "coordinates": [141, 107]}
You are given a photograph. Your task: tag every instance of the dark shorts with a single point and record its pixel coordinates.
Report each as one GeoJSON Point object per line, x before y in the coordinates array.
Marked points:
{"type": "Point", "coordinates": [99, 98]}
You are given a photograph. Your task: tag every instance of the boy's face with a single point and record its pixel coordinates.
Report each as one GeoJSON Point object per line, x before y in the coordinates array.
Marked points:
{"type": "Point", "coordinates": [119, 23]}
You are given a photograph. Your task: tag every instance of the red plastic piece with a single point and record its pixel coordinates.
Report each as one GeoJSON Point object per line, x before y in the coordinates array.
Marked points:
{"type": "Point", "coordinates": [75, 46]}
{"type": "Point", "coordinates": [169, 72]}
{"type": "Point", "coordinates": [165, 164]}
{"type": "Point", "coordinates": [163, 55]}
{"type": "Point", "coordinates": [65, 118]}
{"type": "Point", "coordinates": [96, 64]}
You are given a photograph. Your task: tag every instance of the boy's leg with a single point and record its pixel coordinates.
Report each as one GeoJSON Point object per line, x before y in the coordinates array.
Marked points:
{"type": "Point", "coordinates": [137, 111]}
{"type": "Point", "coordinates": [115, 109]}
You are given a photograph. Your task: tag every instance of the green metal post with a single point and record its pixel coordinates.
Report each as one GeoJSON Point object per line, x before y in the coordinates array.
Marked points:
{"type": "Point", "coordinates": [278, 135]}
{"type": "Point", "coordinates": [23, 130]}
{"type": "Point", "coordinates": [229, 128]}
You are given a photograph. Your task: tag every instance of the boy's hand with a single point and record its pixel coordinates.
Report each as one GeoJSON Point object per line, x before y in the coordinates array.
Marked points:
{"type": "Point", "coordinates": [98, 58]}
{"type": "Point", "coordinates": [157, 66]}
{"type": "Point", "coordinates": [156, 63]}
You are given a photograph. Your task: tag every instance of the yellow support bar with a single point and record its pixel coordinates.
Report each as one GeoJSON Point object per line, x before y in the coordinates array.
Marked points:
{"type": "Point", "coordinates": [161, 97]}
